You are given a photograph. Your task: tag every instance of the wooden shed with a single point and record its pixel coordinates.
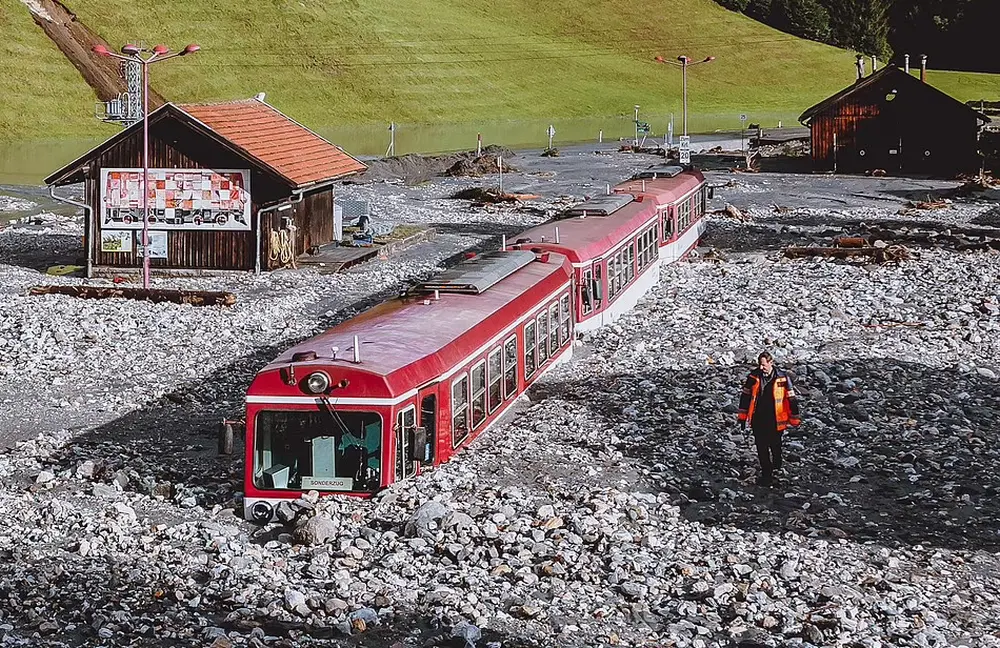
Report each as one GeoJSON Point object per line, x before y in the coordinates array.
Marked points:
{"type": "Point", "coordinates": [895, 122]}
{"type": "Point", "coordinates": [232, 186]}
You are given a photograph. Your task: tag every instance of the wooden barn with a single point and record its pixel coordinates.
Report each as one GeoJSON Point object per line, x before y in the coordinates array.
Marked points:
{"type": "Point", "coordinates": [895, 122]}
{"type": "Point", "coordinates": [232, 186]}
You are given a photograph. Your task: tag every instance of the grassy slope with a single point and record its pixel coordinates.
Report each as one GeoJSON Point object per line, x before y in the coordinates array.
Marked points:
{"type": "Point", "coordinates": [330, 62]}
{"type": "Point", "coordinates": [44, 95]}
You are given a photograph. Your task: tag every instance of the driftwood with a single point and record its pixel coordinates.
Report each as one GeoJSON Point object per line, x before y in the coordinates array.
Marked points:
{"type": "Point", "coordinates": [156, 295]}
{"type": "Point", "coordinates": [877, 254]}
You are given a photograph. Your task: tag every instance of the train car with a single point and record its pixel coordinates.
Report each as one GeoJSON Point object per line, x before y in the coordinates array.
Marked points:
{"type": "Point", "coordinates": [617, 242]}
{"type": "Point", "coordinates": [407, 383]}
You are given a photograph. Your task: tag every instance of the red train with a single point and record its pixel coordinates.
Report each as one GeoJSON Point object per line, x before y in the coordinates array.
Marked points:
{"type": "Point", "coordinates": [411, 381]}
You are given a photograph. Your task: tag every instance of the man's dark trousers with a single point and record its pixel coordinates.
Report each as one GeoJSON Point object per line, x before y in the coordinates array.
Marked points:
{"type": "Point", "coordinates": [768, 441]}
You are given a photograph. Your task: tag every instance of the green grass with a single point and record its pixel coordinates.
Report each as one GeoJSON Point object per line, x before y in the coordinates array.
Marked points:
{"type": "Point", "coordinates": [44, 96]}
{"type": "Point", "coordinates": [328, 63]}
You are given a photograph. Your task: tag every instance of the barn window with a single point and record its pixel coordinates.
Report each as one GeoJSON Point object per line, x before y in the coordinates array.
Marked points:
{"type": "Point", "coordinates": [459, 410]}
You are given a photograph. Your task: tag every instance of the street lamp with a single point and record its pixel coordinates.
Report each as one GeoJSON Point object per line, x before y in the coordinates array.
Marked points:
{"type": "Point", "coordinates": [684, 63]}
{"type": "Point", "coordinates": [135, 53]}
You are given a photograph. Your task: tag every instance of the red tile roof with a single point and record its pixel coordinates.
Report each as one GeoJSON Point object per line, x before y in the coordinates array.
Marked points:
{"type": "Point", "coordinates": [296, 153]}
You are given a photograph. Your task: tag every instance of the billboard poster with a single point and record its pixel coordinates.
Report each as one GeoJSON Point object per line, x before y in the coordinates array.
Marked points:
{"type": "Point", "coordinates": [116, 241]}
{"type": "Point", "coordinates": [190, 199]}
{"type": "Point", "coordinates": [157, 244]}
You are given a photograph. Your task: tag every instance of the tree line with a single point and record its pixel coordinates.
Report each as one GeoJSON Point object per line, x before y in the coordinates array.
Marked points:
{"type": "Point", "coordinates": [953, 33]}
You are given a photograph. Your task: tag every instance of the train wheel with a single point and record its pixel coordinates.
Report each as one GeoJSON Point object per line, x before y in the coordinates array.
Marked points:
{"type": "Point", "coordinates": [225, 439]}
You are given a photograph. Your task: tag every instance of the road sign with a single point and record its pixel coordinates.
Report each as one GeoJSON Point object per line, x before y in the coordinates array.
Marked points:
{"type": "Point", "coordinates": [743, 117]}
{"type": "Point", "coordinates": [684, 147]}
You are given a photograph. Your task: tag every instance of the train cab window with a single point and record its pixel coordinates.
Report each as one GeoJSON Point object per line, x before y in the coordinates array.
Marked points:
{"type": "Point", "coordinates": [327, 450]}
{"type": "Point", "coordinates": [459, 410]}
{"type": "Point", "coordinates": [529, 349]}
{"type": "Point", "coordinates": [543, 337]}
{"type": "Point", "coordinates": [587, 291]}
{"type": "Point", "coordinates": [565, 315]}
{"type": "Point", "coordinates": [553, 329]}
{"type": "Point", "coordinates": [510, 367]}
{"type": "Point", "coordinates": [406, 420]}
{"type": "Point", "coordinates": [495, 378]}
{"type": "Point", "coordinates": [478, 394]}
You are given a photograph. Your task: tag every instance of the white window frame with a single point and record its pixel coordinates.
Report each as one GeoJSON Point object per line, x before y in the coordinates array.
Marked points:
{"type": "Point", "coordinates": [517, 355]}
{"type": "Point", "coordinates": [498, 352]}
{"type": "Point", "coordinates": [473, 424]}
{"type": "Point", "coordinates": [455, 442]}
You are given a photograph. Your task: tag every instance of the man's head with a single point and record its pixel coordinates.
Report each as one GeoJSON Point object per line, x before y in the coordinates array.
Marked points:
{"type": "Point", "coordinates": [765, 361]}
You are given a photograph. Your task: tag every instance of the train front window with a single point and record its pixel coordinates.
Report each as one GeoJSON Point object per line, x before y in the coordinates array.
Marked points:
{"type": "Point", "coordinates": [319, 450]}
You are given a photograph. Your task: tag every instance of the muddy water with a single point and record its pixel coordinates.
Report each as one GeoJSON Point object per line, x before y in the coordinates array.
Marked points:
{"type": "Point", "coordinates": [29, 162]}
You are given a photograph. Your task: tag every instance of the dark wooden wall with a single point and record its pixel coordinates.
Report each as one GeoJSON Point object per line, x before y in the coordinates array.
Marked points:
{"type": "Point", "coordinates": [174, 145]}
{"type": "Point", "coordinates": [929, 133]}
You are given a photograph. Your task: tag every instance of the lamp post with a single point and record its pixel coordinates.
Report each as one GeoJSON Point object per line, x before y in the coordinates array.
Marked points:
{"type": "Point", "coordinates": [135, 53]}
{"type": "Point", "coordinates": [684, 63]}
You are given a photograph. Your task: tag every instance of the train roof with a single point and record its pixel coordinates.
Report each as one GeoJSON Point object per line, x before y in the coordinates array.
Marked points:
{"type": "Point", "coordinates": [414, 339]}
{"type": "Point", "coordinates": [583, 238]}
{"type": "Point", "coordinates": [597, 226]}
{"type": "Point", "coordinates": [663, 190]}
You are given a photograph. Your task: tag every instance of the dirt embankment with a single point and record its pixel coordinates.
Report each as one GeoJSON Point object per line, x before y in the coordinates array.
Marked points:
{"type": "Point", "coordinates": [75, 40]}
{"type": "Point", "coordinates": [414, 168]}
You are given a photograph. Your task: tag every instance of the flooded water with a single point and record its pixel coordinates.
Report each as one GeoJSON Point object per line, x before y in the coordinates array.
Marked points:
{"type": "Point", "coordinates": [29, 162]}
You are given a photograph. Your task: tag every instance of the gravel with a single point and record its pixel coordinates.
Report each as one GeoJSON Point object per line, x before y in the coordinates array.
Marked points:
{"type": "Point", "coordinates": [615, 507]}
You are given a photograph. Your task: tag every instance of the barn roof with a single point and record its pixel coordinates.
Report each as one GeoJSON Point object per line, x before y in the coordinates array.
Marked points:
{"type": "Point", "coordinates": [254, 130]}
{"type": "Point", "coordinates": [890, 73]}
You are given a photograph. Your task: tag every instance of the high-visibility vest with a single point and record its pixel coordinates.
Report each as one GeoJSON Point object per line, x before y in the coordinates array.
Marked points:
{"type": "Point", "coordinates": [783, 398]}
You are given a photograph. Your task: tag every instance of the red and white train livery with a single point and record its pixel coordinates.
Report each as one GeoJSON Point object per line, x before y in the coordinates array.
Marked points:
{"type": "Point", "coordinates": [617, 242]}
{"type": "Point", "coordinates": [415, 378]}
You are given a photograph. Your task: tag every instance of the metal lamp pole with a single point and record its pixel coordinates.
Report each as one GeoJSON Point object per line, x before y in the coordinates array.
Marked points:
{"type": "Point", "coordinates": [684, 63]}
{"type": "Point", "coordinates": [135, 53]}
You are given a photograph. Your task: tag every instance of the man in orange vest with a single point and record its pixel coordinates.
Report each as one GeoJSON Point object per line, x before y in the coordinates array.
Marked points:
{"type": "Point", "coordinates": [769, 403]}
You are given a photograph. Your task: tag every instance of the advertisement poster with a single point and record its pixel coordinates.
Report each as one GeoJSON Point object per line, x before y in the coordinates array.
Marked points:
{"type": "Point", "coordinates": [116, 241]}
{"type": "Point", "coordinates": [191, 199]}
{"type": "Point", "coordinates": [157, 244]}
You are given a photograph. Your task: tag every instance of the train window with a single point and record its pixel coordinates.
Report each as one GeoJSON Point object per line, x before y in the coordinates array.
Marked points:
{"type": "Point", "coordinates": [459, 410]}
{"type": "Point", "coordinates": [630, 261]}
{"type": "Point", "coordinates": [529, 349]}
{"type": "Point", "coordinates": [510, 367]}
{"type": "Point", "coordinates": [478, 394]}
{"type": "Point", "coordinates": [405, 421]}
{"type": "Point", "coordinates": [495, 378]}
{"type": "Point", "coordinates": [586, 291]}
{"type": "Point", "coordinates": [612, 275]}
{"type": "Point", "coordinates": [543, 337]}
{"type": "Point", "coordinates": [668, 225]}
{"type": "Point", "coordinates": [331, 450]}
{"type": "Point", "coordinates": [598, 285]}
{"type": "Point", "coordinates": [565, 314]}
{"type": "Point", "coordinates": [553, 328]}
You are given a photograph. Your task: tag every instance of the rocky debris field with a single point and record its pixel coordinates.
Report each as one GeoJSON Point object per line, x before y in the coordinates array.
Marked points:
{"type": "Point", "coordinates": [615, 507]}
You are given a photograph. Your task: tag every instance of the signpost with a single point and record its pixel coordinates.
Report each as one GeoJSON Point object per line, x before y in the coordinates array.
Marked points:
{"type": "Point", "coordinates": [685, 149]}
{"type": "Point", "coordinates": [552, 133]}
{"type": "Point", "coordinates": [743, 130]}
{"type": "Point", "coordinates": [500, 170]}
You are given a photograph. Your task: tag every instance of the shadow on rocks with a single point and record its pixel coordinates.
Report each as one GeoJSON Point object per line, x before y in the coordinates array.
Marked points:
{"type": "Point", "coordinates": [169, 447]}
{"type": "Point", "coordinates": [40, 252]}
{"type": "Point", "coordinates": [889, 451]}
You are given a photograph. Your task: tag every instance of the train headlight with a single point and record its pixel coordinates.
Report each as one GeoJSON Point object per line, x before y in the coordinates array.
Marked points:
{"type": "Point", "coordinates": [318, 382]}
{"type": "Point", "coordinates": [261, 512]}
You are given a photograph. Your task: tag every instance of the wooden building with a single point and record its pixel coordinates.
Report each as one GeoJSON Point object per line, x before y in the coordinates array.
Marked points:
{"type": "Point", "coordinates": [895, 122]}
{"type": "Point", "coordinates": [232, 186]}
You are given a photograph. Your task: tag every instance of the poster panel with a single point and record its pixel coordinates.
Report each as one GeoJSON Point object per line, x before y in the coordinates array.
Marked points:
{"type": "Point", "coordinates": [190, 199]}
{"type": "Point", "coordinates": [157, 244]}
{"type": "Point", "coordinates": [116, 241]}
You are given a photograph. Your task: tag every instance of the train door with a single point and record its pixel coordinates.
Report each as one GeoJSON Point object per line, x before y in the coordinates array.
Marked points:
{"type": "Point", "coordinates": [427, 397]}
{"type": "Point", "coordinates": [406, 426]}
